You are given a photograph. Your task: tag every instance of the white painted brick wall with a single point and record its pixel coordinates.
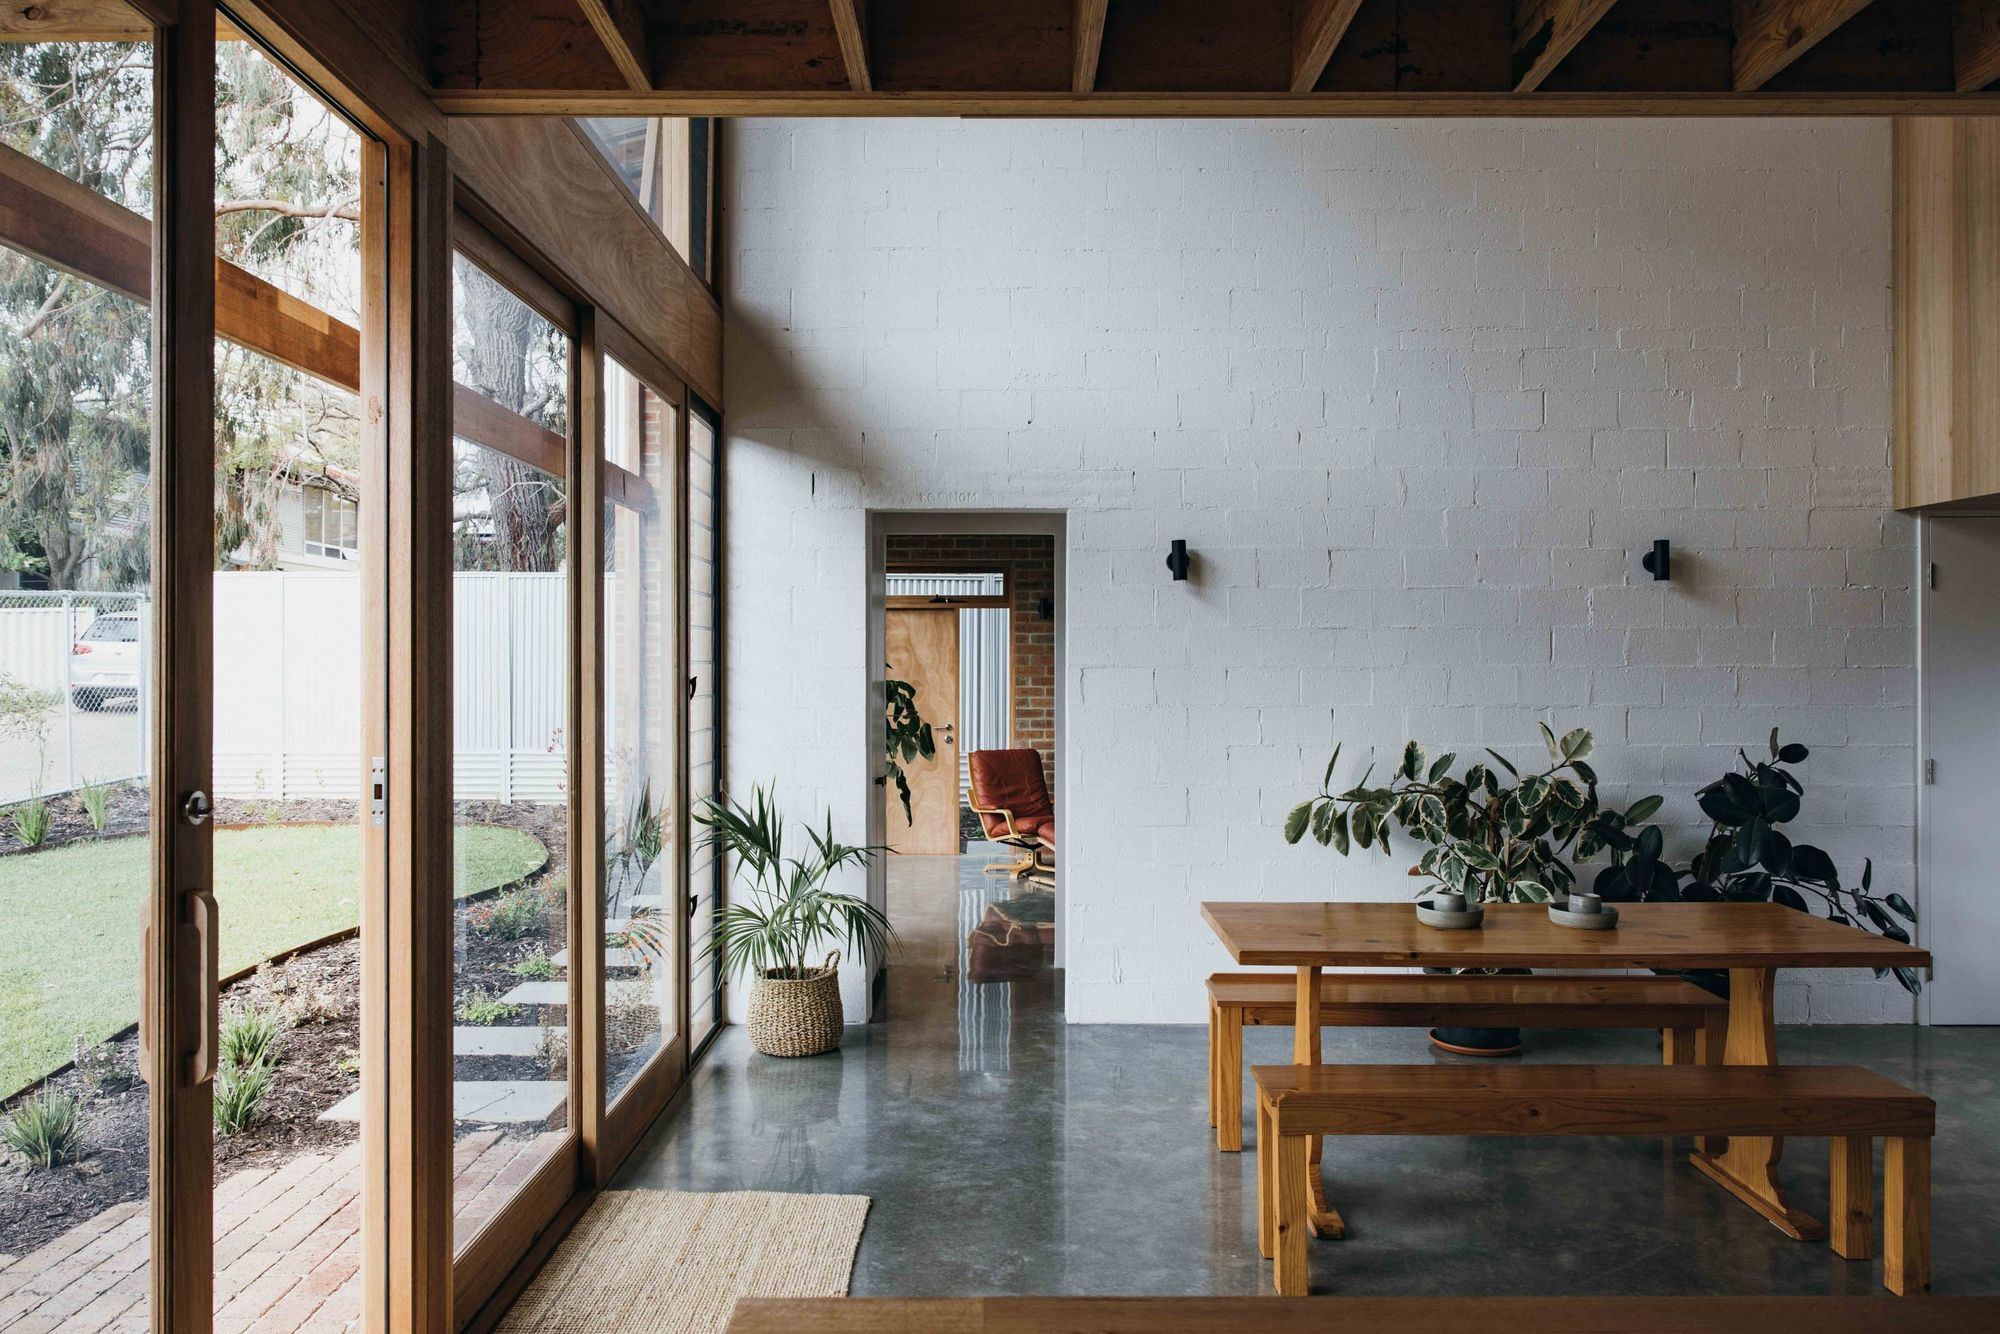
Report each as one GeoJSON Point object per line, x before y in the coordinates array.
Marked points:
{"type": "Point", "coordinates": [1417, 394]}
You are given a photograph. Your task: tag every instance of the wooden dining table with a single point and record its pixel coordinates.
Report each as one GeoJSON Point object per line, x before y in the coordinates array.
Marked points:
{"type": "Point", "coordinates": [1750, 941]}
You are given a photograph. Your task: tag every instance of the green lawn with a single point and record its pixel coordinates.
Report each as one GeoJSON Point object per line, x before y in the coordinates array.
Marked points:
{"type": "Point", "coordinates": [69, 921]}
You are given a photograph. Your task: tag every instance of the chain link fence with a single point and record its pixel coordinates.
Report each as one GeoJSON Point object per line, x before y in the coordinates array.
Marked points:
{"type": "Point", "coordinates": [74, 690]}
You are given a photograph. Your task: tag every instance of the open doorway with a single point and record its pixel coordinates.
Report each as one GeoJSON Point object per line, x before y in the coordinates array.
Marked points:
{"type": "Point", "coordinates": [968, 643]}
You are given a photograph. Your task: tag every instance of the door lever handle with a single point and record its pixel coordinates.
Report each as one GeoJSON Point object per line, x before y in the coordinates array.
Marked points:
{"type": "Point", "coordinates": [204, 922]}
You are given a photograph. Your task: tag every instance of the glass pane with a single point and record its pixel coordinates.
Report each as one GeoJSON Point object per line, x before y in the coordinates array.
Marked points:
{"type": "Point", "coordinates": [510, 622]}
{"type": "Point", "coordinates": [653, 156]}
{"type": "Point", "coordinates": [76, 672]}
{"type": "Point", "coordinates": [289, 753]}
{"type": "Point", "coordinates": [697, 208]}
{"type": "Point", "coordinates": [704, 874]}
{"type": "Point", "coordinates": [641, 955]}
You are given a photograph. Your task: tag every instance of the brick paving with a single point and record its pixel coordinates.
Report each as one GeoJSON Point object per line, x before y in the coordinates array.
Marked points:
{"type": "Point", "coordinates": [287, 1247]}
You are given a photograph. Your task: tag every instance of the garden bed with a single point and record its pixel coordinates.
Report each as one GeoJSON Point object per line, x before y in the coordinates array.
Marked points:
{"type": "Point", "coordinates": [315, 991]}
{"type": "Point", "coordinates": [319, 1065]}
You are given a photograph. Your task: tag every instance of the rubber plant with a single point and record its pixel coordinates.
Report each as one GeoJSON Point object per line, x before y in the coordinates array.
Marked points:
{"type": "Point", "coordinates": [1748, 858]}
{"type": "Point", "coordinates": [908, 739]}
{"type": "Point", "coordinates": [1494, 833]}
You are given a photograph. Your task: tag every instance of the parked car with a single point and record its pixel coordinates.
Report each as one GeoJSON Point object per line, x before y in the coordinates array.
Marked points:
{"type": "Point", "coordinates": [104, 661]}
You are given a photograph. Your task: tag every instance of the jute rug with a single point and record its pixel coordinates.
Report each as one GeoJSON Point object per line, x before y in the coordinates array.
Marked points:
{"type": "Point", "coordinates": [672, 1262]}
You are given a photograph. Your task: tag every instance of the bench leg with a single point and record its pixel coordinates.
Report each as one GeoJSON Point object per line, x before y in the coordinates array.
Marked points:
{"type": "Point", "coordinates": [1709, 1046]}
{"type": "Point", "coordinates": [1211, 1061]}
{"type": "Point", "coordinates": [1906, 1213]}
{"type": "Point", "coordinates": [1229, 1080]}
{"type": "Point", "coordinates": [1267, 1196]}
{"type": "Point", "coordinates": [1851, 1211]}
{"type": "Point", "coordinates": [1289, 1267]}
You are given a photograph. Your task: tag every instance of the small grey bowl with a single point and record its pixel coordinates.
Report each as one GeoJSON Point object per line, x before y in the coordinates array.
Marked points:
{"type": "Point", "coordinates": [1602, 920]}
{"type": "Point", "coordinates": [1450, 921]}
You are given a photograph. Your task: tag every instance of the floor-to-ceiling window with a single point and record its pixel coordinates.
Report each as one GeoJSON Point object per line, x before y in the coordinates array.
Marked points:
{"type": "Point", "coordinates": [205, 587]}
{"type": "Point", "coordinates": [294, 687]}
{"type": "Point", "coordinates": [512, 1101]}
{"type": "Point", "coordinates": [77, 670]}
{"type": "Point", "coordinates": [705, 872]}
{"type": "Point", "coordinates": [643, 939]}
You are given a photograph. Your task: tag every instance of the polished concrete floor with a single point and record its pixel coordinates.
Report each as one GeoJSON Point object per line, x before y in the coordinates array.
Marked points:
{"type": "Point", "coordinates": [1008, 1152]}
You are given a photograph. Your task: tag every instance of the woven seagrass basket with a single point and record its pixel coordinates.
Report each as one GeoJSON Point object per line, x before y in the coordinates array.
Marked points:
{"type": "Point", "coordinates": [797, 1016]}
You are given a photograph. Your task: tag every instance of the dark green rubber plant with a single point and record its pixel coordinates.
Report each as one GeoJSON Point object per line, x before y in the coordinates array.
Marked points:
{"type": "Point", "coordinates": [908, 738]}
{"type": "Point", "coordinates": [1748, 858]}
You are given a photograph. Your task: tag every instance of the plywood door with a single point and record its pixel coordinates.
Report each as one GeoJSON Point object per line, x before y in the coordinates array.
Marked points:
{"type": "Point", "coordinates": [923, 650]}
{"type": "Point", "coordinates": [1959, 842]}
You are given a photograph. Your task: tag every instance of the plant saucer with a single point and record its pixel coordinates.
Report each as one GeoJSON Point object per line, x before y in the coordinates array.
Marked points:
{"type": "Point", "coordinates": [1450, 921]}
{"type": "Point", "coordinates": [1602, 920]}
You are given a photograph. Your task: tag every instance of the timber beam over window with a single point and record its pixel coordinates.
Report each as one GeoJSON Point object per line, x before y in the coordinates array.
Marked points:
{"type": "Point", "coordinates": [1196, 58]}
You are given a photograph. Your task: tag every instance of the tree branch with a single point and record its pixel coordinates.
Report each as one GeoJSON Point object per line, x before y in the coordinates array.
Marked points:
{"type": "Point", "coordinates": [349, 211]}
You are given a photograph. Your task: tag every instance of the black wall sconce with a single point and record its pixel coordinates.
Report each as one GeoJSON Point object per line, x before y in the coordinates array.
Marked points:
{"type": "Point", "coordinates": [1659, 562]}
{"type": "Point", "coordinates": [1177, 559]}
{"type": "Point", "coordinates": [1046, 609]}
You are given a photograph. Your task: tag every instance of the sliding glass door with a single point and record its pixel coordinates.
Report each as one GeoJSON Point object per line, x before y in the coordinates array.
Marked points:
{"type": "Point", "coordinates": [705, 871]}
{"type": "Point", "coordinates": [511, 1074]}
{"type": "Point", "coordinates": [79, 677]}
{"type": "Point", "coordinates": [296, 604]}
{"type": "Point", "coordinates": [644, 939]}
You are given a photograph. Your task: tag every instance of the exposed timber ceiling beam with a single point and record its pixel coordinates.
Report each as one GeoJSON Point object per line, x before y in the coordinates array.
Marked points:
{"type": "Point", "coordinates": [545, 102]}
{"type": "Point", "coordinates": [71, 227]}
{"type": "Point", "coordinates": [1547, 30]}
{"type": "Point", "coordinates": [85, 21]}
{"type": "Point", "coordinates": [1975, 43]}
{"type": "Point", "coordinates": [1771, 34]}
{"type": "Point", "coordinates": [850, 23]}
{"type": "Point", "coordinates": [46, 215]}
{"type": "Point", "coordinates": [1195, 58]}
{"type": "Point", "coordinates": [622, 29]}
{"type": "Point", "coordinates": [1320, 26]}
{"type": "Point", "coordinates": [1089, 43]}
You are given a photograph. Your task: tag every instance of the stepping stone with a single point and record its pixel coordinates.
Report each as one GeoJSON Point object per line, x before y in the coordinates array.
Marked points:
{"type": "Point", "coordinates": [539, 992]}
{"type": "Point", "coordinates": [501, 1040]}
{"type": "Point", "coordinates": [615, 956]}
{"type": "Point", "coordinates": [507, 1101]}
{"type": "Point", "coordinates": [500, 1101]}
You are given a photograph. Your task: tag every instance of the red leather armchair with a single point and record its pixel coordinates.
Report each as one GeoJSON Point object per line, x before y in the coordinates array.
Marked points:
{"type": "Point", "coordinates": [1011, 798]}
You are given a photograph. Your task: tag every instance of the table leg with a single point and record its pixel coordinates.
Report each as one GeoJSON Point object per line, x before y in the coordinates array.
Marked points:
{"type": "Point", "coordinates": [1324, 1219]}
{"type": "Point", "coordinates": [1747, 1169]}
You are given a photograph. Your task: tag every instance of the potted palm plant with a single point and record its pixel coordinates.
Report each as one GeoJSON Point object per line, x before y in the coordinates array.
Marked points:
{"type": "Point", "coordinates": [774, 930]}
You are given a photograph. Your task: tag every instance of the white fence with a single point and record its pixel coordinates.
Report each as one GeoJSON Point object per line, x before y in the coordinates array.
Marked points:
{"type": "Point", "coordinates": [288, 689]}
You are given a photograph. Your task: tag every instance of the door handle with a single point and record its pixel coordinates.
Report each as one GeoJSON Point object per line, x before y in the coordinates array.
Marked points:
{"type": "Point", "coordinates": [145, 976]}
{"type": "Point", "coordinates": [204, 922]}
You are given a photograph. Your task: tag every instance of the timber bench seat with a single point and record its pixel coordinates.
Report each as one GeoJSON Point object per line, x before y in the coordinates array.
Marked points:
{"type": "Point", "coordinates": [1849, 1105]}
{"type": "Point", "coordinates": [1691, 1021]}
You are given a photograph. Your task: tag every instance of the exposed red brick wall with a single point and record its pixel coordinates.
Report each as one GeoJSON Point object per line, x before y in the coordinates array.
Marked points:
{"type": "Point", "coordinates": [1029, 562]}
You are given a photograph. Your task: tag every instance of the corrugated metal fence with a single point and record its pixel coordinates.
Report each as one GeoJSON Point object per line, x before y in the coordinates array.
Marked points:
{"type": "Point", "coordinates": [288, 689]}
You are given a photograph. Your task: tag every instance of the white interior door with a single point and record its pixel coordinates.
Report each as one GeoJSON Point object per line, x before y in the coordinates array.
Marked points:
{"type": "Point", "coordinates": [1958, 836]}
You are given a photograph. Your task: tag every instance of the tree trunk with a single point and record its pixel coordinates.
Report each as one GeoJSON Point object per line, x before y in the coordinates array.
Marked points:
{"type": "Point", "coordinates": [520, 498]}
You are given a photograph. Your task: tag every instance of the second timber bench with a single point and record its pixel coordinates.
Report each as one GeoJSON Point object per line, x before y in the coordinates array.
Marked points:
{"type": "Point", "coordinates": [1691, 1021]}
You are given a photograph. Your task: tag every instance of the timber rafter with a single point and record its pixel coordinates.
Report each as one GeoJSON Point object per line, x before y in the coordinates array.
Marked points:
{"type": "Point", "coordinates": [1196, 58]}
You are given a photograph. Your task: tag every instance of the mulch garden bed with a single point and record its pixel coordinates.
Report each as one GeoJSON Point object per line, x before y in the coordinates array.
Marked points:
{"type": "Point", "coordinates": [317, 992]}
{"type": "Point", "coordinates": [317, 1068]}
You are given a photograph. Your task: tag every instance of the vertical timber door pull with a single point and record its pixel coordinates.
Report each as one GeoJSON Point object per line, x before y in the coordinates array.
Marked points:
{"type": "Point", "coordinates": [145, 985]}
{"type": "Point", "coordinates": [205, 924]}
